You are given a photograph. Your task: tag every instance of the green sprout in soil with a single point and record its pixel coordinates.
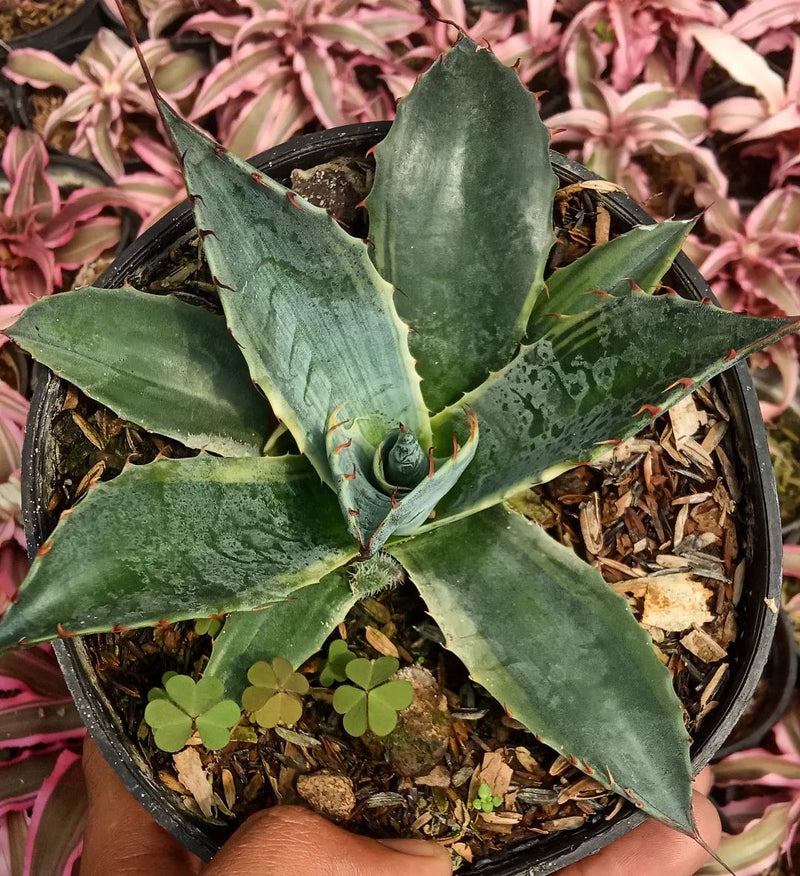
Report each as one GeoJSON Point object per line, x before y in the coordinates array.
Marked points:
{"type": "Point", "coordinates": [276, 695]}
{"type": "Point", "coordinates": [184, 705]}
{"type": "Point", "coordinates": [339, 655]}
{"type": "Point", "coordinates": [208, 626]}
{"type": "Point", "coordinates": [486, 801]}
{"type": "Point", "coordinates": [374, 704]}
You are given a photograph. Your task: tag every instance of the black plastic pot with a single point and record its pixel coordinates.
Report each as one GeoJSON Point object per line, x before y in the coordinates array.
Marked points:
{"type": "Point", "coordinates": [773, 693]}
{"type": "Point", "coordinates": [748, 443]}
{"type": "Point", "coordinates": [80, 24]}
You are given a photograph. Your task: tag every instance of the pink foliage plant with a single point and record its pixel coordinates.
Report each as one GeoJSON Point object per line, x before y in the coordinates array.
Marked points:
{"type": "Point", "coordinates": [763, 808]}
{"type": "Point", "coordinates": [288, 62]}
{"type": "Point", "coordinates": [154, 191]}
{"type": "Point", "coordinates": [42, 233]}
{"type": "Point", "coordinates": [617, 130]}
{"type": "Point", "coordinates": [104, 87]}
{"type": "Point", "coordinates": [753, 264]}
{"type": "Point", "coordinates": [162, 15]}
{"type": "Point", "coordinates": [622, 36]}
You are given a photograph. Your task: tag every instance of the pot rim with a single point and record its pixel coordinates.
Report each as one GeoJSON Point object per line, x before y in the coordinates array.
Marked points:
{"type": "Point", "coordinates": [530, 857]}
{"type": "Point", "coordinates": [82, 21]}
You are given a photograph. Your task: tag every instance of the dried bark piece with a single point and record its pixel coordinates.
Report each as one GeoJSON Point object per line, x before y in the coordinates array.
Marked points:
{"type": "Point", "coordinates": [193, 777]}
{"type": "Point", "coordinates": [685, 419]}
{"type": "Point", "coordinates": [676, 602]}
{"type": "Point", "coordinates": [380, 642]}
{"type": "Point", "coordinates": [328, 793]}
{"type": "Point", "coordinates": [496, 773]}
{"type": "Point", "coordinates": [703, 646]}
{"type": "Point", "coordinates": [438, 777]}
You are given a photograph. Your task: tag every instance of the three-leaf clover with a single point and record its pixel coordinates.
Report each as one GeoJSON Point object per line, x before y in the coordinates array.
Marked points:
{"type": "Point", "coordinates": [339, 655]}
{"type": "Point", "coordinates": [276, 695]}
{"type": "Point", "coordinates": [486, 801]}
{"type": "Point", "coordinates": [376, 701]}
{"type": "Point", "coordinates": [184, 705]}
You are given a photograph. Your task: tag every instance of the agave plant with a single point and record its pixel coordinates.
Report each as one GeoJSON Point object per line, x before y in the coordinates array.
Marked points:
{"type": "Point", "coordinates": [410, 438]}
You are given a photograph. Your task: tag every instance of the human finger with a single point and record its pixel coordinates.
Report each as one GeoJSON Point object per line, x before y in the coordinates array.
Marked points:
{"type": "Point", "coordinates": [120, 837]}
{"type": "Point", "coordinates": [292, 841]}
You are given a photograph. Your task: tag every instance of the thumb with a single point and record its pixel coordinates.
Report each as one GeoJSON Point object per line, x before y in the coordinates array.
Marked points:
{"type": "Point", "coordinates": [293, 841]}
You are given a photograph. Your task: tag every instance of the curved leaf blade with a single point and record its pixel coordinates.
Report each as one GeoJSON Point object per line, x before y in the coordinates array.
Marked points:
{"type": "Point", "coordinates": [294, 628]}
{"type": "Point", "coordinates": [297, 291]}
{"type": "Point", "coordinates": [587, 680]}
{"type": "Point", "coordinates": [219, 535]}
{"type": "Point", "coordinates": [468, 135]}
{"type": "Point", "coordinates": [598, 376]}
{"type": "Point", "coordinates": [640, 256]}
{"type": "Point", "coordinates": [163, 364]}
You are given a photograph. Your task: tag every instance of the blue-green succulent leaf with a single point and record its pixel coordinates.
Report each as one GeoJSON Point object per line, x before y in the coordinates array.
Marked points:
{"type": "Point", "coordinates": [163, 364]}
{"type": "Point", "coordinates": [466, 140]}
{"type": "Point", "coordinates": [219, 535]}
{"type": "Point", "coordinates": [373, 516]}
{"type": "Point", "coordinates": [637, 259]}
{"type": "Point", "coordinates": [587, 680]}
{"type": "Point", "coordinates": [597, 376]}
{"type": "Point", "coordinates": [315, 321]}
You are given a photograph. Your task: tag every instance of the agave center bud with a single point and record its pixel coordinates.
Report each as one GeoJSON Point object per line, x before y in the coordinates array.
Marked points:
{"type": "Point", "coordinates": [400, 462]}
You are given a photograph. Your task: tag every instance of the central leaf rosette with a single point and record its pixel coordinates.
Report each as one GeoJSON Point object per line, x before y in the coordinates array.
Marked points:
{"type": "Point", "coordinates": [399, 463]}
{"type": "Point", "coordinates": [390, 489]}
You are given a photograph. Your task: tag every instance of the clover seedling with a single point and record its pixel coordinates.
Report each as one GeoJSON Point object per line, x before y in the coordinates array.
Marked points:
{"type": "Point", "coordinates": [208, 626]}
{"type": "Point", "coordinates": [486, 801]}
{"type": "Point", "coordinates": [276, 695]}
{"type": "Point", "coordinates": [339, 655]}
{"type": "Point", "coordinates": [183, 705]}
{"type": "Point", "coordinates": [376, 701]}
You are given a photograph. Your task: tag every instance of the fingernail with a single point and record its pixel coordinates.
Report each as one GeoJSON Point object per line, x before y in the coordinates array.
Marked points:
{"type": "Point", "coordinates": [418, 848]}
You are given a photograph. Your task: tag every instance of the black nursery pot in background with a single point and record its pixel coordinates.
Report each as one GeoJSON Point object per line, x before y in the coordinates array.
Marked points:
{"type": "Point", "coordinates": [80, 24]}
{"type": "Point", "coordinates": [141, 262]}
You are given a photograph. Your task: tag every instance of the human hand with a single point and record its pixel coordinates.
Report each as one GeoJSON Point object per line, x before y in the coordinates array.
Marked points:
{"type": "Point", "coordinates": [122, 839]}
{"type": "Point", "coordinates": [655, 850]}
